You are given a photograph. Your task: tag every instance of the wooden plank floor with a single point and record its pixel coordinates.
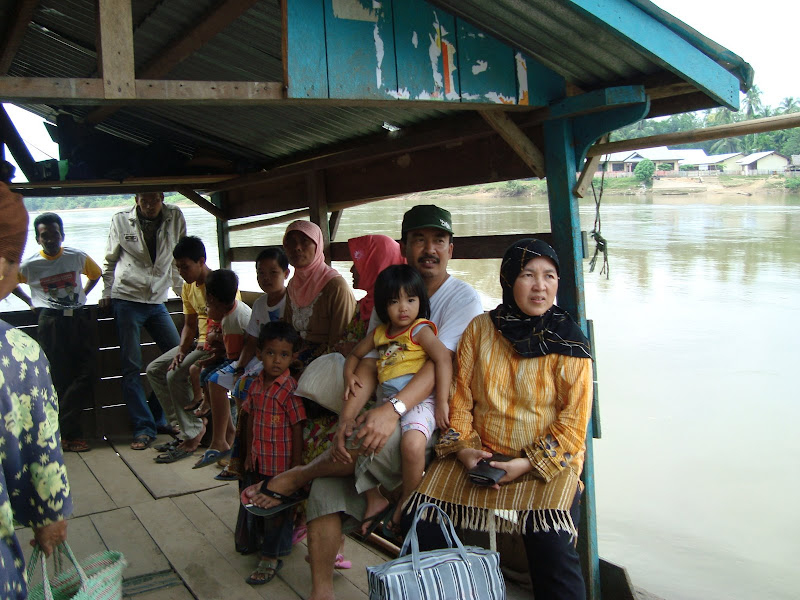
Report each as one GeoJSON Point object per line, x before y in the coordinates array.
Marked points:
{"type": "Point", "coordinates": [174, 525]}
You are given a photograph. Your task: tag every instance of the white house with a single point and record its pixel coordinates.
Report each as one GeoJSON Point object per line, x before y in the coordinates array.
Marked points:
{"type": "Point", "coordinates": [715, 162]}
{"type": "Point", "coordinates": [625, 162]}
{"type": "Point", "coordinates": [763, 161]}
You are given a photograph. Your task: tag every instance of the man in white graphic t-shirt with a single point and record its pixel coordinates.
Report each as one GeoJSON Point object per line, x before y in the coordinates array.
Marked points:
{"type": "Point", "coordinates": [58, 296]}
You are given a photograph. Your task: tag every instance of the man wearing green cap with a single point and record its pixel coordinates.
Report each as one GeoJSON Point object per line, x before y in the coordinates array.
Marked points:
{"type": "Point", "coordinates": [338, 482]}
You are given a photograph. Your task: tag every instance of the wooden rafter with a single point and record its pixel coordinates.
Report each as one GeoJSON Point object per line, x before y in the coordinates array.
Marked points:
{"type": "Point", "coordinates": [207, 206]}
{"type": "Point", "coordinates": [700, 135]}
{"type": "Point", "coordinates": [209, 26]}
{"type": "Point", "coordinates": [516, 138]}
{"type": "Point", "coordinates": [11, 138]}
{"type": "Point", "coordinates": [115, 49]}
{"type": "Point", "coordinates": [589, 169]}
{"type": "Point", "coordinates": [37, 90]}
{"type": "Point", "coordinates": [12, 36]}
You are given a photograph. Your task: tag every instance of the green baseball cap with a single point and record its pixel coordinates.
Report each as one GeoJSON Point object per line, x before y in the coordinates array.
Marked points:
{"type": "Point", "coordinates": [426, 215]}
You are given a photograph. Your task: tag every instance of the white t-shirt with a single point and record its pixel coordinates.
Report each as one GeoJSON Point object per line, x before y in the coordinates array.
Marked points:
{"type": "Point", "coordinates": [453, 306]}
{"type": "Point", "coordinates": [264, 313]}
{"type": "Point", "coordinates": [55, 282]}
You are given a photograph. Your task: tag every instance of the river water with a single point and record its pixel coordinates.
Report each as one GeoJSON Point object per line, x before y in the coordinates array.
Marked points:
{"type": "Point", "coordinates": [695, 332]}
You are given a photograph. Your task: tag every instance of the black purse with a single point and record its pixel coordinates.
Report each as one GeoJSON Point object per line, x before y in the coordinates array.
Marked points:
{"type": "Point", "coordinates": [483, 474]}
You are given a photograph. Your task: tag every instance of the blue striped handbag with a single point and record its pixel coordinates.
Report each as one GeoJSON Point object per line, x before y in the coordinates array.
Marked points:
{"type": "Point", "coordinates": [455, 573]}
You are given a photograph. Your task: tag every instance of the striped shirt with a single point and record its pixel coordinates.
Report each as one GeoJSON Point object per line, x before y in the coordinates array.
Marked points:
{"type": "Point", "coordinates": [273, 410]}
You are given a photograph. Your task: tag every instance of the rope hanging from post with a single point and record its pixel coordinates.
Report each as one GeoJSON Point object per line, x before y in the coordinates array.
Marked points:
{"type": "Point", "coordinates": [600, 241]}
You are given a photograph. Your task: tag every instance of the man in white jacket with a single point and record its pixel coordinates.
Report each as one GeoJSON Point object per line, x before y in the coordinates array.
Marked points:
{"type": "Point", "coordinates": [139, 270]}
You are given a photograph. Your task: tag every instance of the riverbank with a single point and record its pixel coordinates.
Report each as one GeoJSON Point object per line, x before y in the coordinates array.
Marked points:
{"type": "Point", "coordinates": [627, 186]}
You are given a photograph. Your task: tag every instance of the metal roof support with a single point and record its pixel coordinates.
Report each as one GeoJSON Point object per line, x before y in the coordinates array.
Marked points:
{"type": "Point", "coordinates": [579, 121]}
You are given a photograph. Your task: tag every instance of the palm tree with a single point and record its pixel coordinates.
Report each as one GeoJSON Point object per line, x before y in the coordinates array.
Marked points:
{"type": "Point", "coordinates": [751, 104]}
{"type": "Point", "coordinates": [789, 104]}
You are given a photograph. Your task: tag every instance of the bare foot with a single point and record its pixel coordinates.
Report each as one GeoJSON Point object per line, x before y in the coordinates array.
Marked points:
{"type": "Point", "coordinates": [284, 483]}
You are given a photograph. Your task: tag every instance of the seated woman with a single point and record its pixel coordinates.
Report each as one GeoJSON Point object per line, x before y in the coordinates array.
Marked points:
{"type": "Point", "coordinates": [370, 254]}
{"type": "Point", "coordinates": [524, 390]}
{"type": "Point", "coordinates": [320, 301]}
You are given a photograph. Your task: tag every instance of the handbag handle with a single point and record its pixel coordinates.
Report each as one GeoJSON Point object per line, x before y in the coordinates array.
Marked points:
{"type": "Point", "coordinates": [38, 557]}
{"type": "Point", "coordinates": [448, 531]}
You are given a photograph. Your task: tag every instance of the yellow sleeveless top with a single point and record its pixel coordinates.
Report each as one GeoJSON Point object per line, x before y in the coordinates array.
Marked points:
{"type": "Point", "coordinates": [399, 354]}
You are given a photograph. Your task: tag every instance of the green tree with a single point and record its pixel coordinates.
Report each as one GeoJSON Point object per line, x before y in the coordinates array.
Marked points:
{"type": "Point", "coordinates": [751, 103]}
{"type": "Point", "coordinates": [789, 104]}
{"type": "Point", "coordinates": [644, 171]}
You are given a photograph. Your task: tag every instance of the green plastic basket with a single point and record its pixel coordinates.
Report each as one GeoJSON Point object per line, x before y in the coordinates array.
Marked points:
{"type": "Point", "coordinates": [99, 577]}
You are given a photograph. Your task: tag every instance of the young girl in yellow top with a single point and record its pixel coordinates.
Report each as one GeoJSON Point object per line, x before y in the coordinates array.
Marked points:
{"type": "Point", "coordinates": [404, 342]}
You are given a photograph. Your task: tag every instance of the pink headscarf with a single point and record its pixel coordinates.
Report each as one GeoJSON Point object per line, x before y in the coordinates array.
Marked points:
{"type": "Point", "coordinates": [308, 281]}
{"type": "Point", "coordinates": [371, 254]}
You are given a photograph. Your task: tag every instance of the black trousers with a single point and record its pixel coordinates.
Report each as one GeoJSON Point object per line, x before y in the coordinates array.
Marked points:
{"type": "Point", "coordinates": [67, 343]}
{"type": "Point", "coordinates": [553, 562]}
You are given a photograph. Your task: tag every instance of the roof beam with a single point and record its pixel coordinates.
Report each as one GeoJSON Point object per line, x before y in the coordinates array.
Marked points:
{"type": "Point", "coordinates": [115, 49]}
{"type": "Point", "coordinates": [207, 206]}
{"type": "Point", "coordinates": [700, 135]}
{"type": "Point", "coordinates": [516, 138]}
{"type": "Point", "coordinates": [15, 32]}
{"type": "Point", "coordinates": [11, 138]}
{"type": "Point", "coordinates": [42, 90]}
{"type": "Point", "coordinates": [664, 47]}
{"type": "Point", "coordinates": [180, 49]}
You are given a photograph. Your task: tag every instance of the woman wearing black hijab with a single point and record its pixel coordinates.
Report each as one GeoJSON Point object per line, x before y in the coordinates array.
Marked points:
{"type": "Point", "coordinates": [523, 390]}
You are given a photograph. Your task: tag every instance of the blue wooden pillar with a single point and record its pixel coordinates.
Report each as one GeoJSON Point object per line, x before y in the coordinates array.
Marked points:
{"type": "Point", "coordinates": [577, 123]}
{"type": "Point", "coordinates": [566, 227]}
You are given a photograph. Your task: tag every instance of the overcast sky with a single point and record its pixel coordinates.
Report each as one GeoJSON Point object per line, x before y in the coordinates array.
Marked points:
{"type": "Point", "coordinates": [763, 33]}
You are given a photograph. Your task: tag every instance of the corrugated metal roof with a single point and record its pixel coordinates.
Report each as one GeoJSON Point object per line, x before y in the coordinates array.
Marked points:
{"type": "Point", "coordinates": [548, 31]}
{"type": "Point", "coordinates": [60, 42]}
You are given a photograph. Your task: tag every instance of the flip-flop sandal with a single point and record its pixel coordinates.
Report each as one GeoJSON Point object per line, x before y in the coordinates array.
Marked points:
{"type": "Point", "coordinates": [286, 501]}
{"type": "Point", "coordinates": [166, 446]}
{"type": "Point", "coordinates": [211, 456]}
{"type": "Point", "coordinates": [75, 446]}
{"type": "Point", "coordinates": [375, 521]}
{"type": "Point", "coordinates": [299, 534]}
{"type": "Point", "coordinates": [226, 475]}
{"type": "Point", "coordinates": [392, 533]}
{"type": "Point", "coordinates": [173, 455]}
{"type": "Point", "coordinates": [268, 569]}
{"type": "Point", "coordinates": [142, 442]}
{"type": "Point", "coordinates": [340, 563]}
{"type": "Point", "coordinates": [172, 430]}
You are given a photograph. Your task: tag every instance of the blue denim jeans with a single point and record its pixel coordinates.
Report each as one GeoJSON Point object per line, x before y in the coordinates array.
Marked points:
{"type": "Point", "coordinates": [130, 318]}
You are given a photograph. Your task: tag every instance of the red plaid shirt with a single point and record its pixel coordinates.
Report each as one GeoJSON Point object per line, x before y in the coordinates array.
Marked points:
{"type": "Point", "coordinates": [273, 409]}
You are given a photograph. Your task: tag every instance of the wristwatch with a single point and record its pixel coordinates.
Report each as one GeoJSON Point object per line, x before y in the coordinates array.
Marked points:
{"type": "Point", "coordinates": [398, 406]}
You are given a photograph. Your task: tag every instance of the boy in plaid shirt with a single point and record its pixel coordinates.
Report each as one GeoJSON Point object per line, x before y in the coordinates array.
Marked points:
{"type": "Point", "coordinates": [273, 443]}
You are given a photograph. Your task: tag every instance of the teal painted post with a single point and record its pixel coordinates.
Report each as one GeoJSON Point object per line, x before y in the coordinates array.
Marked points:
{"type": "Point", "coordinates": [566, 228]}
{"type": "Point", "coordinates": [223, 235]}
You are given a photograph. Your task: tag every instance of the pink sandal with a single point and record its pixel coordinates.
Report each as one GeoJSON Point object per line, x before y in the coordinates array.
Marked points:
{"type": "Point", "coordinates": [340, 563]}
{"type": "Point", "coordinates": [299, 534]}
